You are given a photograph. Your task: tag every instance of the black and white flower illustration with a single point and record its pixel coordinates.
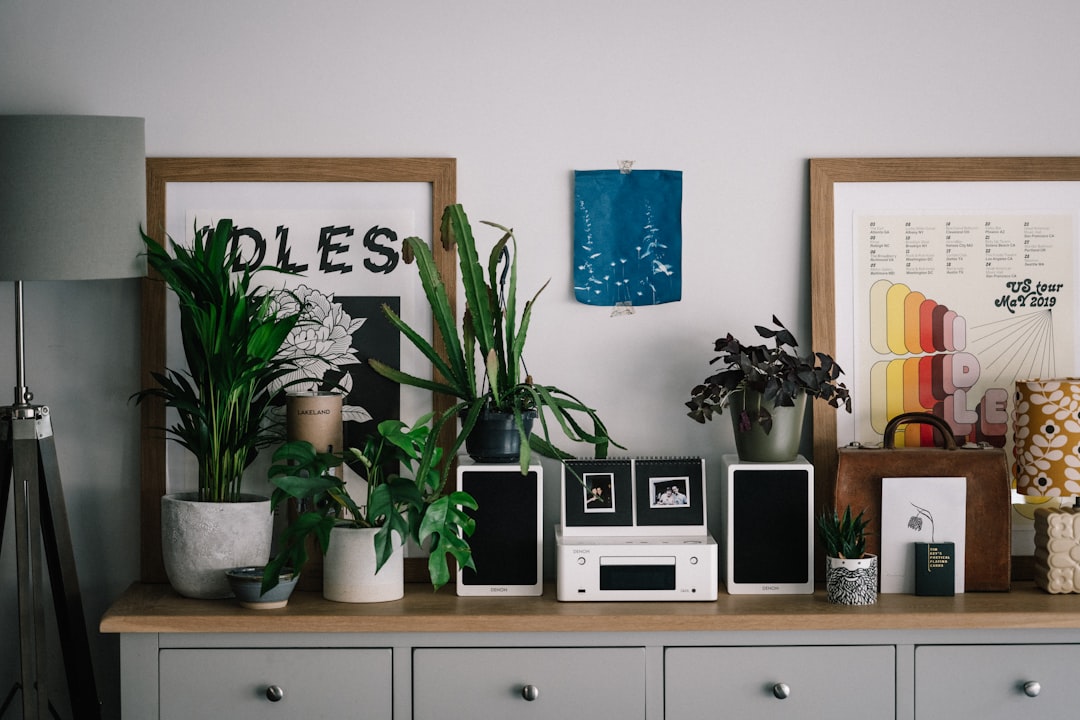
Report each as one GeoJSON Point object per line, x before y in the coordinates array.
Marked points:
{"type": "Point", "coordinates": [322, 347]}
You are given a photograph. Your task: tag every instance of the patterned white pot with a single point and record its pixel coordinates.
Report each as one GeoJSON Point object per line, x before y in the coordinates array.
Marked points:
{"type": "Point", "coordinates": [349, 568]}
{"type": "Point", "coordinates": [852, 582]}
{"type": "Point", "coordinates": [201, 540]}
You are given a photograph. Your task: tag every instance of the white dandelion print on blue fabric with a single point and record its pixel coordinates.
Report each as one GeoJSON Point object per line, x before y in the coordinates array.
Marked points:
{"type": "Point", "coordinates": [627, 237]}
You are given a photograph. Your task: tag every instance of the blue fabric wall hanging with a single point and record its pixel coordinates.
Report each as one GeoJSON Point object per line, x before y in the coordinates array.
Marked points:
{"type": "Point", "coordinates": [627, 237]}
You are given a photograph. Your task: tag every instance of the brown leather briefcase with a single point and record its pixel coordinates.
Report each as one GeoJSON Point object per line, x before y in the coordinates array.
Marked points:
{"type": "Point", "coordinates": [989, 502]}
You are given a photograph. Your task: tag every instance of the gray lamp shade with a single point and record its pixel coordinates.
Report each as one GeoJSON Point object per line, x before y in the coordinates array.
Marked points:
{"type": "Point", "coordinates": [72, 197]}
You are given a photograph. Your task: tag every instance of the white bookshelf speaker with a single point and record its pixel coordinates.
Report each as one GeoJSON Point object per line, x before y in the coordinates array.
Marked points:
{"type": "Point", "coordinates": [768, 537]}
{"type": "Point", "coordinates": [508, 544]}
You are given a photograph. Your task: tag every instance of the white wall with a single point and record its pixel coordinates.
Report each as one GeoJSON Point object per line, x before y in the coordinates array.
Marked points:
{"type": "Point", "coordinates": [737, 95]}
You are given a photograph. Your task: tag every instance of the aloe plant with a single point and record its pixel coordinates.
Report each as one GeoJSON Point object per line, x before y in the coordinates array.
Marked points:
{"type": "Point", "coordinates": [231, 338]}
{"type": "Point", "coordinates": [843, 536]}
{"type": "Point", "coordinates": [406, 505]}
{"type": "Point", "coordinates": [483, 367]}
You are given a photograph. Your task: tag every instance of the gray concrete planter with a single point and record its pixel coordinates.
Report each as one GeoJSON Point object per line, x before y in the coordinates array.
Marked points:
{"type": "Point", "coordinates": [201, 540]}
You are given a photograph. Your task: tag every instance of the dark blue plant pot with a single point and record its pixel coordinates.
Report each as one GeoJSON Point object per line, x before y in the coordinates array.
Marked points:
{"type": "Point", "coordinates": [495, 437]}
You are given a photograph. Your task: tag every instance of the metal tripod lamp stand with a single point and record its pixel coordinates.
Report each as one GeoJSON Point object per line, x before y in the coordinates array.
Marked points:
{"type": "Point", "coordinates": [72, 197]}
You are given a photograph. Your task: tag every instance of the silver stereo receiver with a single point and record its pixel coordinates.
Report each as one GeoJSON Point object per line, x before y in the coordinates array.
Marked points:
{"type": "Point", "coordinates": [682, 568]}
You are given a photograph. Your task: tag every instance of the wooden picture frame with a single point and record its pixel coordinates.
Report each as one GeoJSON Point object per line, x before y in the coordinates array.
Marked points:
{"type": "Point", "coordinates": [439, 173]}
{"type": "Point", "coordinates": [995, 177]}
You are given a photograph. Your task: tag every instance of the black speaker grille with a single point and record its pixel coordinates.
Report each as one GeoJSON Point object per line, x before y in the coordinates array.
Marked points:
{"type": "Point", "coordinates": [504, 544]}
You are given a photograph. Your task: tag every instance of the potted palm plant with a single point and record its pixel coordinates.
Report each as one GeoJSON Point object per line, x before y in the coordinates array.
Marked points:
{"type": "Point", "coordinates": [851, 573]}
{"type": "Point", "coordinates": [766, 387]}
{"type": "Point", "coordinates": [362, 538]}
{"type": "Point", "coordinates": [483, 368]}
{"type": "Point", "coordinates": [232, 332]}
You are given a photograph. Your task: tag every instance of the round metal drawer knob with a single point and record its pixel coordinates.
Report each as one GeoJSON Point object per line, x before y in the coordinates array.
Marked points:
{"type": "Point", "coordinates": [1032, 689]}
{"type": "Point", "coordinates": [781, 691]}
{"type": "Point", "coordinates": [274, 693]}
{"type": "Point", "coordinates": [530, 692]}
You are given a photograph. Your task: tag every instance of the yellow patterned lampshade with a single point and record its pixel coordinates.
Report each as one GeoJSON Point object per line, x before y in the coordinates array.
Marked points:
{"type": "Point", "coordinates": [1046, 437]}
{"type": "Point", "coordinates": [1046, 448]}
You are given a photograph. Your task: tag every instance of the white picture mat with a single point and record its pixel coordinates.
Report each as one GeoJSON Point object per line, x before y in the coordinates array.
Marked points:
{"type": "Point", "coordinates": [405, 202]}
{"type": "Point", "coordinates": [855, 199]}
{"type": "Point", "coordinates": [946, 499]}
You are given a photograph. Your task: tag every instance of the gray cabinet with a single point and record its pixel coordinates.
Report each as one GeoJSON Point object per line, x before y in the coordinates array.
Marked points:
{"type": "Point", "coordinates": [996, 681]}
{"type": "Point", "coordinates": [529, 683]}
{"type": "Point", "coordinates": [264, 684]}
{"type": "Point", "coordinates": [780, 682]}
{"type": "Point", "coordinates": [441, 657]}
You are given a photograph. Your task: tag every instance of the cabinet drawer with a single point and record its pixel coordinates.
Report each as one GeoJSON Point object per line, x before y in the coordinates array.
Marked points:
{"type": "Point", "coordinates": [821, 682]}
{"type": "Point", "coordinates": [490, 683]}
{"type": "Point", "coordinates": [988, 681]}
{"type": "Point", "coordinates": [315, 683]}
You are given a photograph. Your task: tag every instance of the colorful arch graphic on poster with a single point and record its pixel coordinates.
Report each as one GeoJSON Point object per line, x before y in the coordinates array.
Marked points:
{"type": "Point", "coordinates": [933, 364]}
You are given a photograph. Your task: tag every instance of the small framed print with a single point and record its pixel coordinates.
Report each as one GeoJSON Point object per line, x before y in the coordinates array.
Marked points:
{"type": "Point", "coordinates": [598, 493]}
{"type": "Point", "coordinates": [670, 492]}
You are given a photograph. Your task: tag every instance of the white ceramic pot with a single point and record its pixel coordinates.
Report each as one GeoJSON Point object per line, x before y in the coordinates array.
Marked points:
{"type": "Point", "coordinates": [851, 582]}
{"type": "Point", "coordinates": [349, 568]}
{"type": "Point", "coordinates": [201, 540]}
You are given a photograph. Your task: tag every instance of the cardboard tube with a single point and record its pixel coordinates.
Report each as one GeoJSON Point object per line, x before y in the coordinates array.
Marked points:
{"type": "Point", "coordinates": [315, 417]}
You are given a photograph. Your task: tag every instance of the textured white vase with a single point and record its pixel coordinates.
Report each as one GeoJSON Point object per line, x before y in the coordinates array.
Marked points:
{"type": "Point", "coordinates": [201, 540]}
{"type": "Point", "coordinates": [349, 568]}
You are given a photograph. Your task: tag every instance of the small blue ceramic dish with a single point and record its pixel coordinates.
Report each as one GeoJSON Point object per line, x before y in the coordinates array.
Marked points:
{"type": "Point", "coordinates": [246, 584]}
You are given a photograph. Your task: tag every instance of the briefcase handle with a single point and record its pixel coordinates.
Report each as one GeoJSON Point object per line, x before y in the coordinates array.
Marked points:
{"type": "Point", "coordinates": [918, 417]}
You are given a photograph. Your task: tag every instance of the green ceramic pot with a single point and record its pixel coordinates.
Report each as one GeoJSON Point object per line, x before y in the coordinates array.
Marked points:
{"type": "Point", "coordinates": [781, 443]}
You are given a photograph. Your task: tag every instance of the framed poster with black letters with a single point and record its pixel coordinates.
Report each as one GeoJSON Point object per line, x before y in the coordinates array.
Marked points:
{"type": "Point", "coordinates": [338, 223]}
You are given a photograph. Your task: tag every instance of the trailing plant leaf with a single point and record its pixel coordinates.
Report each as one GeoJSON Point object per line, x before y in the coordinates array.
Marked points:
{"type": "Point", "coordinates": [445, 529]}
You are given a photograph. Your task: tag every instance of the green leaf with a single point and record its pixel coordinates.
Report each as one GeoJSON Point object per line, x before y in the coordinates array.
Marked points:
{"type": "Point", "coordinates": [445, 526]}
{"type": "Point", "coordinates": [298, 486]}
{"type": "Point", "coordinates": [403, 378]}
{"type": "Point", "coordinates": [477, 297]}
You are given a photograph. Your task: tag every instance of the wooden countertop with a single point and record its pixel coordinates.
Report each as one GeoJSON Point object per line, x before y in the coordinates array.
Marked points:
{"type": "Point", "coordinates": [158, 609]}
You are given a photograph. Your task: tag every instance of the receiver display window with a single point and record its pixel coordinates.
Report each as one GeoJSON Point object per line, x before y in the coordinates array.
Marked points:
{"type": "Point", "coordinates": [637, 577]}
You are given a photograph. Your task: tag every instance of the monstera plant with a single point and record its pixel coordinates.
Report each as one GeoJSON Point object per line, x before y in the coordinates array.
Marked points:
{"type": "Point", "coordinates": [396, 498]}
